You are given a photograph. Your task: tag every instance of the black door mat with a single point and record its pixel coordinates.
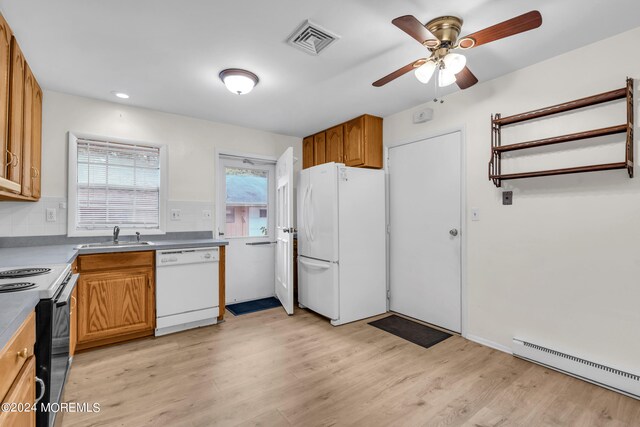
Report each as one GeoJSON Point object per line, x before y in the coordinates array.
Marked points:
{"type": "Point", "coordinates": [410, 331]}
{"type": "Point", "coordinates": [253, 306]}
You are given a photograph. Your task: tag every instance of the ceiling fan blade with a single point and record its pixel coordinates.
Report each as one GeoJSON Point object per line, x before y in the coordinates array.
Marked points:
{"type": "Point", "coordinates": [397, 73]}
{"type": "Point", "coordinates": [465, 78]}
{"type": "Point", "coordinates": [410, 25]}
{"type": "Point", "coordinates": [510, 27]}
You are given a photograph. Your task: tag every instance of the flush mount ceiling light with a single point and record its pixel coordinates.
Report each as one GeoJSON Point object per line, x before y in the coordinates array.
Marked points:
{"type": "Point", "coordinates": [239, 81]}
{"type": "Point", "coordinates": [121, 95]}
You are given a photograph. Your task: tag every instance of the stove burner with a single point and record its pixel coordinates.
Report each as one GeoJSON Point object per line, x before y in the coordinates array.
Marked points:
{"type": "Point", "coordinates": [23, 272]}
{"type": "Point", "coordinates": [14, 287]}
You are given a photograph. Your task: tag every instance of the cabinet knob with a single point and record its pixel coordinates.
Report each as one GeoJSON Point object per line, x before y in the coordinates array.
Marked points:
{"type": "Point", "coordinates": [24, 353]}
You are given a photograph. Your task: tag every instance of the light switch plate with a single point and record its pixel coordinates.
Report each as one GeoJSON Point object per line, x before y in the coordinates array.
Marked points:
{"type": "Point", "coordinates": [176, 214]}
{"type": "Point", "coordinates": [475, 214]}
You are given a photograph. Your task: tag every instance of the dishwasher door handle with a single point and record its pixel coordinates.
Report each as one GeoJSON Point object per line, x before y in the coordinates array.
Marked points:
{"type": "Point", "coordinates": [259, 243]}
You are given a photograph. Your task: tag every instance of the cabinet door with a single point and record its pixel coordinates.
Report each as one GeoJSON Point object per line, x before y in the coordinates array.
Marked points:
{"type": "Point", "coordinates": [5, 65]}
{"type": "Point", "coordinates": [73, 322]}
{"type": "Point", "coordinates": [335, 144]}
{"type": "Point", "coordinates": [114, 305]}
{"type": "Point", "coordinates": [36, 141]}
{"type": "Point", "coordinates": [307, 152]}
{"type": "Point", "coordinates": [319, 148]}
{"type": "Point", "coordinates": [27, 130]}
{"type": "Point", "coordinates": [354, 142]}
{"type": "Point", "coordinates": [16, 100]}
{"type": "Point", "coordinates": [23, 391]}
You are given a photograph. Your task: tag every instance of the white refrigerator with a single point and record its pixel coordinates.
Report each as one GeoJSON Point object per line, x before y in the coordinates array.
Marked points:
{"type": "Point", "coordinates": [341, 242]}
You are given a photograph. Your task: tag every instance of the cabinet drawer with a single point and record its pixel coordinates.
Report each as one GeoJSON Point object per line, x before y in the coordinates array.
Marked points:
{"type": "Point", "coordinates": [22, 391]}
{"type": "Point", "coordinates": [118, 260]}
{"type": "Point", "coordinates": [13, 355]}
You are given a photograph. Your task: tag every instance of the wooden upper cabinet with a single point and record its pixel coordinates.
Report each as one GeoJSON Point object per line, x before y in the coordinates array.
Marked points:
{"type": "Point", "coordinates": [334, 144]}
{"type": "Point", "coordinates": [16, 101]}
{"type": "Point", "coordinates": [27, 130]}
{"type": "Point", "coordinates": [20, 122]}
{"type": "Point", "coordinates": [36, 141]}
{"type": "Point", "coordinates": [363, 142]}
{"type": "Point", "coordinates": [5, 66]}
{"type": "Point", "coordinates": [356, 143]}
{"type": "Point", "coordinates": [307, 152]}
{"type": "Point", "coordinates": [319, 148]}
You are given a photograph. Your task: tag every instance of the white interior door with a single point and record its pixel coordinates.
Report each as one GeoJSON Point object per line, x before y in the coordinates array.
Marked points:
{"type": "Point", "coordinates": [425, 218]}
{"type": "Point", "coordinates": [284, 230]}
{"type": "Point", "coordinates": [245, 216]}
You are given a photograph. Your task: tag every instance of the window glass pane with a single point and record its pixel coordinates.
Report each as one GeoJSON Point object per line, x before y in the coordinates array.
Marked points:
{"type": "Point", "coordinates": [117, 184]}
{"type": "Point", "coordinates": [247, 196]}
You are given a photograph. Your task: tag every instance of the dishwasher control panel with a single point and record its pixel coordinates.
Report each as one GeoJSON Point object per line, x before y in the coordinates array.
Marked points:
{"type": "Point", "coordinates": [187, 256]}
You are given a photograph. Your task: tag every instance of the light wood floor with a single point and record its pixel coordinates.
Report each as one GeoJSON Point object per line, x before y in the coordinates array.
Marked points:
{"type": "Point", "coordinates": [269, 369]}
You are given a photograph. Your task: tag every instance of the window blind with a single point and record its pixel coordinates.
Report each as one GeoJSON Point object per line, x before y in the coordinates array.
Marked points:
{"type": "Point", "coordinates": [118, 184]}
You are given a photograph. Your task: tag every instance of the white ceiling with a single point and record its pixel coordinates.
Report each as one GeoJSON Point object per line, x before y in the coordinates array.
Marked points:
{"type": "Point", "coordinates": [167, 53]}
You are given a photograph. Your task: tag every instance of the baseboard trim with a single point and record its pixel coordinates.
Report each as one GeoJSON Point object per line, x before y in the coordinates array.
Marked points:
{"type": "Point", "coordinates": [487, 343]}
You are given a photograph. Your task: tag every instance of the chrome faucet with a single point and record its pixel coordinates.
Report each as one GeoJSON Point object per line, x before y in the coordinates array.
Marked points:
{"type": "Point", "coordinates": [138, 236]}
{"type": "Point", "coordinates": [116, 233]}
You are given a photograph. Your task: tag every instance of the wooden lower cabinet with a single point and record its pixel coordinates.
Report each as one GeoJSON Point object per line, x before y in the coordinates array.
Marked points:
{"type": "Point", "coordinates": [18, 375]}
{"type": "Point", "coordinates": [115, 302]}
{"type": "Point", "coordinates": [22, 392]}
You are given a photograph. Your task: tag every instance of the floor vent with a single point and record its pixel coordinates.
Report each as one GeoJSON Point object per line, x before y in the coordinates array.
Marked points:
{"type": "Point", "coordinates": [602, 375]}
{"type": "Point", "coordinates": [311, 38]}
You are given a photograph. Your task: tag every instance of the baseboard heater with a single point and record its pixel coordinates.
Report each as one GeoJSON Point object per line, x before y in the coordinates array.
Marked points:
{"type": "Point", "coordinates": [604, 376]}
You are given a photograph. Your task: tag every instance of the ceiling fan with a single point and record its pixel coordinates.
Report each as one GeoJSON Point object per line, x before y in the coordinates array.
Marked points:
{"type": "Point", "coordinates": [440, 37]}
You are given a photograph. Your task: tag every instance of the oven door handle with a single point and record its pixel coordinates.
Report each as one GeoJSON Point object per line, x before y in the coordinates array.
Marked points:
{"type": "Point", "coordinates": [42, 389]}
{"type": "Point", "coordinates": [65, 296]}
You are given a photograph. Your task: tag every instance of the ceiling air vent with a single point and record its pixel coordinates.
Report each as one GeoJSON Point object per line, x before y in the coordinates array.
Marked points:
{"type": "Point", "coordinates": [311, 38]}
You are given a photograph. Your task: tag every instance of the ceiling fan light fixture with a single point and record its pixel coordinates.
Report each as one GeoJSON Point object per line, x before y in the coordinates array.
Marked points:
{"type": "Point", "coordinates": [238, 81]}
{"type": "Point", "coordinates": [454, 62]}
{"type": "Point", "coordinates": [445, 77]}
{"type": "Point", "coordinates": [425, 71]}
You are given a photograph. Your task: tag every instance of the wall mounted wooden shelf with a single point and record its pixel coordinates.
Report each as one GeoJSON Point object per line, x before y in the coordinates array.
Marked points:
{"type": "Point", "coordinates": [497, 122]}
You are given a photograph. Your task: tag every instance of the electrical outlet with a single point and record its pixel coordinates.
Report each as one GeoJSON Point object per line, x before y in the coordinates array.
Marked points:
{"type": "Point", "coordinates": [475, 214]}
{"type": "Point", "coordinates": [52, 215]}
{"type": "Point", "coordinates": [206, 214]}
{"type": "Point", "coordinates": [507, 197]}
{"type": "Point", "coordinates": [176, 214]}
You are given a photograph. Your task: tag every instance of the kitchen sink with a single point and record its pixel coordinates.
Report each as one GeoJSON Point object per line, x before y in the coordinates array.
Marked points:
{"type": "Point", "coordinates": [113, 245]}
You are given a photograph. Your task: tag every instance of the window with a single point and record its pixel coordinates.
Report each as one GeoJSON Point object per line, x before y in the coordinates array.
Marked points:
{"type": "Point", "coordinates": [247, 191]}
{"type": "Point", "coordinates": [114, 183]}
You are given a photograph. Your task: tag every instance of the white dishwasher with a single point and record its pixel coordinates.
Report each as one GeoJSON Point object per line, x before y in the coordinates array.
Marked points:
{"type": "Point", "coordinates": [186, 289]}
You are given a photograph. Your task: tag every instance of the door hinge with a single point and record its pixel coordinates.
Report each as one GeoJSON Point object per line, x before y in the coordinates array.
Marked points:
{"type": "Point", "coordinates": [389, 294]}
{"type": "Point", "coordinates": [388, 228]}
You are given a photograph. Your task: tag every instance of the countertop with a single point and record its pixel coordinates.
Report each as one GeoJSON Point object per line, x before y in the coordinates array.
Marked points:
{"type": "Point", "coordinates": [15, 307]}
{"type": "Point", "coordinates": [30, 256]}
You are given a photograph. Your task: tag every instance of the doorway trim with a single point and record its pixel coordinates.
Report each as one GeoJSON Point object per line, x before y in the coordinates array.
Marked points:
{"type": "Point", "coordinates": [464, 308]}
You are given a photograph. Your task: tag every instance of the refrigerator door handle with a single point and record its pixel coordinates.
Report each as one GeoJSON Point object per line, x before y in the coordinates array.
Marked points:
{"type": "Point", "coordinates": [314, 264]}
{"type": "Point", "coordinates": [311, 216]}
{"type": "Point", "coordinates": [305, 213]}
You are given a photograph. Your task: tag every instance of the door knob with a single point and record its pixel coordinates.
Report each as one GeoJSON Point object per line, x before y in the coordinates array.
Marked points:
{"type": "Point", "coordinates": [453, 232]}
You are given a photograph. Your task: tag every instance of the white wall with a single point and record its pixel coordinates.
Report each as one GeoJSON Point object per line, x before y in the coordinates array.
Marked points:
{"type": "Point", "coordinates": [561, 267]}
{"type": "Point", "coordinates": [191, 152]}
